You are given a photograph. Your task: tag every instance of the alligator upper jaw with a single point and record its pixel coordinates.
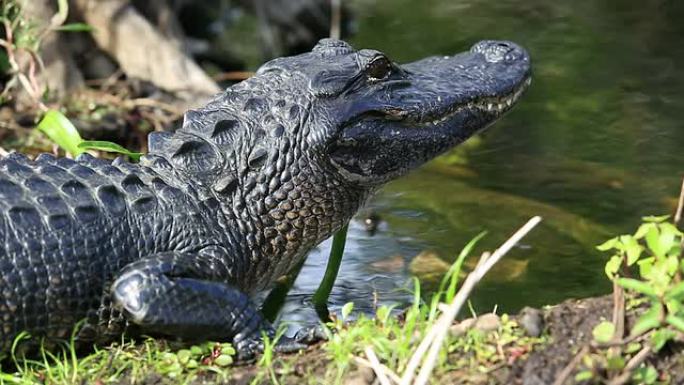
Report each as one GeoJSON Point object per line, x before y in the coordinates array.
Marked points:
{"type": "Point", "coordinates": [494, 106]}
{"type": "Point", "coordinates": [441, 102]}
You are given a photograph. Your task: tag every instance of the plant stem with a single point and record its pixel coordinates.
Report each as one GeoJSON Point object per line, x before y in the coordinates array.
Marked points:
{"type": "Point", "coordinates": [320, 297]}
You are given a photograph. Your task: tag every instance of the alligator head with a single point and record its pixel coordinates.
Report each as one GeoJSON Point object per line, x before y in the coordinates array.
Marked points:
{"type": "Point", "coordinates": [292, 152]}
{"type": "Point", "coordinates": [355, 112]}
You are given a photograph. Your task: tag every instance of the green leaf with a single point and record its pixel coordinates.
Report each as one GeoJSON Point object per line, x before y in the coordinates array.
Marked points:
{"type": "Point", "coordinates": [673, 306]}
{"type": "Point", "coordinates": [616, 363]}
{"type": "Point", "coordinates": [603, 332]}
{"type": "Point", "coordinates": [223, 360]}
{"type": "Point", "coordinates": [584, 375]}
{"type": "Point", "coordinates": [60, 130]}
{"type": "Point", "coordinates": [609, 244]}
{"type": "Point", "coordinates": [677, 322]}
{"type": "Point", "coordinates": [347, 309]}
{"type": "Point", "coordinates": [648, 320]}
{"type": "Point", "coordinates": [645, 375]}
{"type": "Point", "coordinates": [653, 242]}
{"type": "Point", "coordinates": [645, 266]}
{"type": "Point", "coordinates": [184, 356]}
{"type": "Point", "coordinates": [613, 266]}
{"type": "Point", "coordinates": [632, 248]}
{"type": "Point", "coordinates": [671, 264]}
{"type": "Point", "coordinates": [675, 292]}
{"type": "Point", "coordinates": [669, 227]}
{"type": "Point", "coordinates": [632, 347]}
{"type": "Point", "coordinates": [655, 219]}
{"type": "Point", "coordinates": [660, 337]}
{"type": "Point", "coordinates": [75, 27]}
{"type": "Point", "coordinates": [102, 145]}
{"type": "Point", "coordinates": [643, 230]}
{"type": "Point", "coordinates": [638, 286]}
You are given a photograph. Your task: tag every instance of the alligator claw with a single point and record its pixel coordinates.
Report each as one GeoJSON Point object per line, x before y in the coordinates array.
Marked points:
{"type": "Point", "coordinates": [247, 349]}
{"type": "Point", "coordinates": [311, 334]}
{"type": "Point", "coordinates": [289, 345]}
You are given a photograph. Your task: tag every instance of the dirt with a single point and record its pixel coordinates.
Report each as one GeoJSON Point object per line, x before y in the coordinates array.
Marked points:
{"type": "Point", "coordinates": [568, 324]}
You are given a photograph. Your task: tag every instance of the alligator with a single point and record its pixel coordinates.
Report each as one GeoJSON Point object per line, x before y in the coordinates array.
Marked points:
{"type": "Point", "coordinates": [181, 243]}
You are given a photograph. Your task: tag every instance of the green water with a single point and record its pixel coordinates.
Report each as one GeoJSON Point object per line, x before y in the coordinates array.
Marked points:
{"type": "Point", "coordinates": [593, 146]}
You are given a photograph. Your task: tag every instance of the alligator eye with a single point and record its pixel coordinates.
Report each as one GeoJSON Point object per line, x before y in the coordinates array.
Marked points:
{"type": "Point", "coordinates": [379, 68]}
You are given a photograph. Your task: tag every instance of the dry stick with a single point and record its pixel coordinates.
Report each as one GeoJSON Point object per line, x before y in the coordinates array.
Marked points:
{"type": "Point", "coordinates": [618, 311]}
{"type": "Point", "coordinates": [441, 326]}
{"type": "Point", "coordinates": [618, 319]}
{"type": "Point", "coordinates": [637, 360]}
{"type": "Point", "coordinates": [335, 19]}
{"type": "Point", "coordinates": [232, 76]}
{"type": "Point", "coordinates": [377, 367]}
{"type": "Point", "coordinates": [678, 213]}
{"type": "Point", "coordinates": [427, 340]}
{"type": "Point", "coordinates": [567, 370]}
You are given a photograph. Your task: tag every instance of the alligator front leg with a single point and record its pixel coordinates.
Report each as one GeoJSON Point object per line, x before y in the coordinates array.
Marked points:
{"type": "Point", "coordinates": [185, 295]}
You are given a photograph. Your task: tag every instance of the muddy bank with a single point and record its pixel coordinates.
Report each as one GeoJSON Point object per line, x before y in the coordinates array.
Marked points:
{"type": "Point", "coordinates": [568, 327]}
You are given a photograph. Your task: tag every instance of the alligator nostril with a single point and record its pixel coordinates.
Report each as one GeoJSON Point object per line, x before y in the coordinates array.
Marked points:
{"type": "Point", "coordinates": [496, 51]}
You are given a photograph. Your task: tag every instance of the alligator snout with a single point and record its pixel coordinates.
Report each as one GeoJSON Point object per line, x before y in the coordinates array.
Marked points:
{"type": "Point", "coordinates": [495, 51]}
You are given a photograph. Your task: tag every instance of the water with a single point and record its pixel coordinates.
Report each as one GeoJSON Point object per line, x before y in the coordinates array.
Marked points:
{"type": "Point", "coordinates": [593, 146]}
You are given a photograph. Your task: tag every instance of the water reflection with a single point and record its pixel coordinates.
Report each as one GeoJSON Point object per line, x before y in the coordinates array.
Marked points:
{"type": "Point", "coordinates": [593, 146]}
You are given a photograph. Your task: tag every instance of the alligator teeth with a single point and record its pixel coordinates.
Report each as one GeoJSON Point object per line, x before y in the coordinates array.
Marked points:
{"type": "Point", "coordinates": [496, 105]}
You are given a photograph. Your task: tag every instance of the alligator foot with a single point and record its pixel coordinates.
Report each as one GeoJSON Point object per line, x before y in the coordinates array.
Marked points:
{"type": "Point", "coordinates": [247, 348]}
{"type": "Point", "coordinates": [312, 334]}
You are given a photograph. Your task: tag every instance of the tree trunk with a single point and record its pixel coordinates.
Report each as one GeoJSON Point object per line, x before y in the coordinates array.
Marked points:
{"type": "Point", "coordinates": [142, 51]}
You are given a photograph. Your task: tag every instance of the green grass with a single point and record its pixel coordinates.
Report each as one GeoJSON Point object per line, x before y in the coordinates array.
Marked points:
{"type": "Point", "coordinates": [392, 333]}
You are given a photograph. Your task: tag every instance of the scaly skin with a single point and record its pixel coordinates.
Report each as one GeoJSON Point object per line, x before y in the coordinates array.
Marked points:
{"type": "Point", "coordinates": [217, 211]}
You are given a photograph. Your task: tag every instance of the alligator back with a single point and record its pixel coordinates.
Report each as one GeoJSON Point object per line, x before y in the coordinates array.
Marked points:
{"type": "Point", "coordinates": [66, 227]}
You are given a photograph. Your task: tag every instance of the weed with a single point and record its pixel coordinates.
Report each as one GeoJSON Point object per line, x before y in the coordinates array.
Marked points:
{"type": "Point", "coordinates": [648, 266]}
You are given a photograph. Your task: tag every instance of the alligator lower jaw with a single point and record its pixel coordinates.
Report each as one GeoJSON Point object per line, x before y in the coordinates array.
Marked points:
{"type": "Point", "coordinates": [493, 105]}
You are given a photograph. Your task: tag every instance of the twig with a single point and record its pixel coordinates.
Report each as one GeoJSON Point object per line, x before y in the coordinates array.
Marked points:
{"type": "Point", "coordinates": [680, 205]}
{"type": "Point", "coordinates": [232, 76]}
{"type": "Point", "coordinates": [377, 367]}
{"type": "Point", "coordinates": [335, 19]}
{"type": "Point", "coordinates": [567, 370]}
{"type": "Point", "coordinates": [632, 364]}
{"type": "Point", "coordinates": [618, 321]}
{"type": "Point", "coordinates": [437, 333]}
{"type": "Point", "coordinates": [618, 311]}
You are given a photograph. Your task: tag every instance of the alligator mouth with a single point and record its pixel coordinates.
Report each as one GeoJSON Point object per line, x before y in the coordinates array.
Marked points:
{"type": "Point", "coordinates": [494, 105]}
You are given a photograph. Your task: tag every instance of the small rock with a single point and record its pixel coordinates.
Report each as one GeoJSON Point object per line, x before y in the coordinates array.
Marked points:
{"type": "Point", "coordinates": [460, 328]}
{"type": "Point", "coordinates": [428, 266]}
{"type": "Point", "coordinates": [362, 376]}
{"type": "Point", "coordinates": [488, 322]}
{"type": "Point", "coordinates": [532, 320]}
{"type": "Point", "coordinates": [393, 264]}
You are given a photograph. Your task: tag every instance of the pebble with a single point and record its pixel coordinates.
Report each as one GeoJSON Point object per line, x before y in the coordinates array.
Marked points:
{"type": "Point", "coordinates": [532, 321]}
{"type": "Point", "coordinates": [362, 376]}
{"type": "Point", "coordinates": [486, 323]}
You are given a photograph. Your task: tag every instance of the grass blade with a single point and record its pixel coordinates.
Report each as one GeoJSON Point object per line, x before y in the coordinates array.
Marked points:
{"type": "Point", "coordinates": [61, 131]}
